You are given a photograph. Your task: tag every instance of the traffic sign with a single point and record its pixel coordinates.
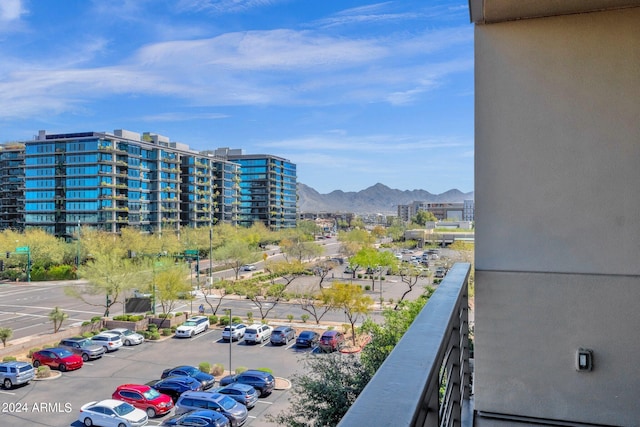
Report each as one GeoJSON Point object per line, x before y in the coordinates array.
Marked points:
{"type": "Point", "coordinates": [22, 249]}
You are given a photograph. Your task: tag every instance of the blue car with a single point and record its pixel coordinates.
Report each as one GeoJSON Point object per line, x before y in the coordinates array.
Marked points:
{"type": "Point", "coordinates": [243, 393]}
{"type": "Point", "coordinates": [200, 418]}
{"type": "Point", "coordinates": [207, 380]}
{"type": "Point", "coordinates": [175, 386]}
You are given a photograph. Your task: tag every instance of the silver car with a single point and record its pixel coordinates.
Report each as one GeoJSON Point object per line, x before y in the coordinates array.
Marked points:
{"type": "Point", "coordinates": [127, 336]}
{"type": "Point", "coordinates": [84, 347]}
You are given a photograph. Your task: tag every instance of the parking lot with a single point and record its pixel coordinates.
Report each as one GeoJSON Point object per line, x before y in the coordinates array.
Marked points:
{"type": "Point", "coordinates": [57, 402]}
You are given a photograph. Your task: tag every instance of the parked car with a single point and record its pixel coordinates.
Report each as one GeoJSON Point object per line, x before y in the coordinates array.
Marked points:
{"type": "Point", "coordinates": [112, 413]}
{"type": "Point", "coordinates": [139, 294]}
{"type": "Point", "coordinates": [243, 393]}
{"type": "Point", "coordinates": [440, 272]}
{"type": "Point", "coordinates": [175, 386]}
{"type": "Point", "coordinates": [349, 270]}
{"type": "Point", "coordinates": [282, 335]}
{"type": "Point", "coordinates": [248, 267]}
{"type": "Point", "coordinates": [198, 418]}
{"type": "Point", "coordinates": [127, 336]}
{"type": "Point", "coordinates": [193, 326]}
{"type": "Point", "coordinates": [331, 341]}
{"type": "Point", "coordinates": [16, 373]}
{"type": "Point", "coordinates": [234, 411]}
{"type": "Point", "coordinates": [86, 348]}
{"type": "Point", "coordinates": [262, 381]}
{"type": "Point", "coordinates": [307, 339]}
{"type": "Point", "coordinates": [234, 332]}
{"type": "Point", "coordinates": [110, 342]}
{"type": "Point", "coordinates": [144, 397]}
{"type": "Point", "coordinates": [257, 333]}
{"type": "Point", "coordinates": [205, 379]}
{"type": "Point", "coordinates": [57, 358]}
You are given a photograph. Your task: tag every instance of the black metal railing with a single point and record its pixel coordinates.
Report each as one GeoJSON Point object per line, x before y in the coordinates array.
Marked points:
{"type": "Point", "coordinates": [426, 378]}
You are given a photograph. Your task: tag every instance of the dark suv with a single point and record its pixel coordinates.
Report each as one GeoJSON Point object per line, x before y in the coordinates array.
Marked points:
{"type": "Point", "coordinates": [260, 380]}
{"type": "Point", "coordinates": [84, 347]}
{"type": "Point", "coordinates": [282, 335]}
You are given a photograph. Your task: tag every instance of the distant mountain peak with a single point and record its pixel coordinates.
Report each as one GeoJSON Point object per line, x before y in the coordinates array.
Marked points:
{"type": "Point", "coordinates": [378, 198]}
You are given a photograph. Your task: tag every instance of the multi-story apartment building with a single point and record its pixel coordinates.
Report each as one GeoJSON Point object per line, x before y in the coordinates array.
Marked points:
{"type": "Point", "coordinates": [268, 189]}
{"type": "Point", "coordinates": [443, 211]}
{"type": "Point", "coordinates": [12, 186]}
{"type": "Point", "coordinates": [109, 181]}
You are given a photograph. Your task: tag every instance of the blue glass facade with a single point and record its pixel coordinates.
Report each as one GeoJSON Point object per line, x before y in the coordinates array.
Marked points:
{"type": "Point", "coordinates": [268, 191]}
{"type": "Point", "coordinates": [110, 181]}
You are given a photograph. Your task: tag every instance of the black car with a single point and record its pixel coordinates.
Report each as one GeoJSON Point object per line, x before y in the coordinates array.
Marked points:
{"type": "Point", "coordinates": [207, 380]}
{"type": "Point", "coordinates": [200, 418]}
{"type": "Point", "coordinates": [260, 380]}
{"type": "Point", "coordinates": [175, 386]}
{"type": "Point", "coordinates": [308, 339]}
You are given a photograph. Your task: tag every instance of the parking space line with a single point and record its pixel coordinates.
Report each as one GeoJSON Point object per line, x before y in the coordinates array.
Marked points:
{"type": "Point", "coordinates": [265, 402]}
{"type": "Point", "coordinates": [202, 334]}
{"type": "Point", "coordinates": [7, 392]}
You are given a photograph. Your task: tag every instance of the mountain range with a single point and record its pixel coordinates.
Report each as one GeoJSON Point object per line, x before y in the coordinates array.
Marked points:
{"type": "Point", "coordinates": [376, 199]}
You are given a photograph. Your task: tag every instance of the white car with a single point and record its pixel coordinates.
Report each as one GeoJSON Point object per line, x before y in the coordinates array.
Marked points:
{"type": "Point", "coordinates": [248, 267]}
{"type": "Point", "coordinates": [257, 333]}
{"type": "Point", "coordinates": [193, 326]}
{"type": "Point", "coordinates": [110, 342]}
{"type": "Point", "coordinates": [112, 413]}
{"type": "Point", "coordinates": [234, 332]}
{"type": "Point", "coordinates": [128, 336]}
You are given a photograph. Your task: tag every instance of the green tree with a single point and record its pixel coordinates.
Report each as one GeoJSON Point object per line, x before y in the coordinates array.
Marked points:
{"type": "Point", "coordinates": [422, 217]}
{"type": "Point", "coordinates": [110, 274]}
{"type": "Point", "coordinates": [236, 253]}
{"type": "Point", "coordinates": [57, 316]}
{"type": "Point", "coordinates": [172, 283]}
{"type": "Point", "coordinates": [352, 300]}
{"type": "Point", "coordinates": [324, 392]}
{"type": "Point", "coordinates": [5, 334]}
{"type": "Point", "coordinates": [373, 258]}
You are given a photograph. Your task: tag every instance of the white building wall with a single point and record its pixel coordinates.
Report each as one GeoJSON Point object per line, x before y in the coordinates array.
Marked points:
{"type": "Point", "coordinates": [557, 216]}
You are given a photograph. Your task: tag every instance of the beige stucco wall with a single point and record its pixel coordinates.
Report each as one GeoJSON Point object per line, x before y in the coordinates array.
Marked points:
{"type": "Point", "coordinates": [558, 216]}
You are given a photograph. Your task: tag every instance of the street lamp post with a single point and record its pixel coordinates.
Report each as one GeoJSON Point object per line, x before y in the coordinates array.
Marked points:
{"type": "Point", "coordinates": [230, 340]}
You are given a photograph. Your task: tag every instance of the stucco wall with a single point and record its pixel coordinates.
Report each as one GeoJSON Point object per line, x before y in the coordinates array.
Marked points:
{"type": "Point", "coordinates": [557, 171]}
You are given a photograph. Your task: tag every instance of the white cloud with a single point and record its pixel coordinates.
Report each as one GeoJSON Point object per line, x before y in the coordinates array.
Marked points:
{"type": "Point", "coordinates": [11, 10]}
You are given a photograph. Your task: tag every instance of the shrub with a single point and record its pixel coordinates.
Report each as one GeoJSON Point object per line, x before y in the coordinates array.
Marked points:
{"type": "Point", "coordinates": [205, 367]}
{"type": "Point", "coordinates": [152, 327]}
{"type": "Point", "coordinates": [145, 334]}
{"type": "Point", "coordinates": [173, 329]}
{"type": "Point", "coordinates": [129, 317]}
{"type": "Point", "coordinates": [218, 369]}
{"type": "Point", "coordinates": [96, 319]}
{"type": "Point", "coordinates": [224, 321]}
{"type": "Point", "coordinates": [213, 319]}
{"type": "Point", "coordinates": [330, 328]}
{"type": "Point", "coordinates": [165, 315]}
{"type": "Point", "coordinates": [166, 332]}
{"type": "Point", "coordinates": [250, 317]}
{"type": "Point", "coordinates": [304, 318]}
{"type": "Point", "coordinates": [236, 319]}
{"type": "Point", "coordinates": [367, 287]}
{"type": "Point", "coordinates": [86, 323]}
{"type": "Point", "coordinates": [270, 371]}
{"type": "Point", "coordinates": [31, 351]}
{"type": "Point", "coordinates": [43, 372]}
{"type": "Point", "coordinates": [154, 336]}
{"type": "Point", "coordinates": [87, 334]}
{"type": "Point", "coordinates": [382, 278]}
{"type": "Point", "coordinates": [179, 313]}
{"type": "Point", "coordinates": [9, 359]}
{"type": "Point", "coordinates": [241, 369]}
{"type": "Point", "coordinates": [360, 276]}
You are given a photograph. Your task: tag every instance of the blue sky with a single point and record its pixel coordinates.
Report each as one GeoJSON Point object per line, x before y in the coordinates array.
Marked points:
{"type": "Point", "coordinates": [353, 92]}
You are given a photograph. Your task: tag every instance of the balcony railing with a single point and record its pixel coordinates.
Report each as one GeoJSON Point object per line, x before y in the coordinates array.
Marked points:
{"type": "Point", "coordinates": [426, 378]}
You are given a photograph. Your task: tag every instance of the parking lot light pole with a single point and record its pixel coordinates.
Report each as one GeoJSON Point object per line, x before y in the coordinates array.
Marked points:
{"type": "Point", "coordinates": [230, 339]}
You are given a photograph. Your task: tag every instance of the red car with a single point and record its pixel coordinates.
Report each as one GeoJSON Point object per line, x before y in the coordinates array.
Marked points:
{"type": "Point", "coordinates": [331, 341]}
{"type": "Point", "coordinates": [59, 358]}
{"type": "Point", "coordinates": [145, 398]}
